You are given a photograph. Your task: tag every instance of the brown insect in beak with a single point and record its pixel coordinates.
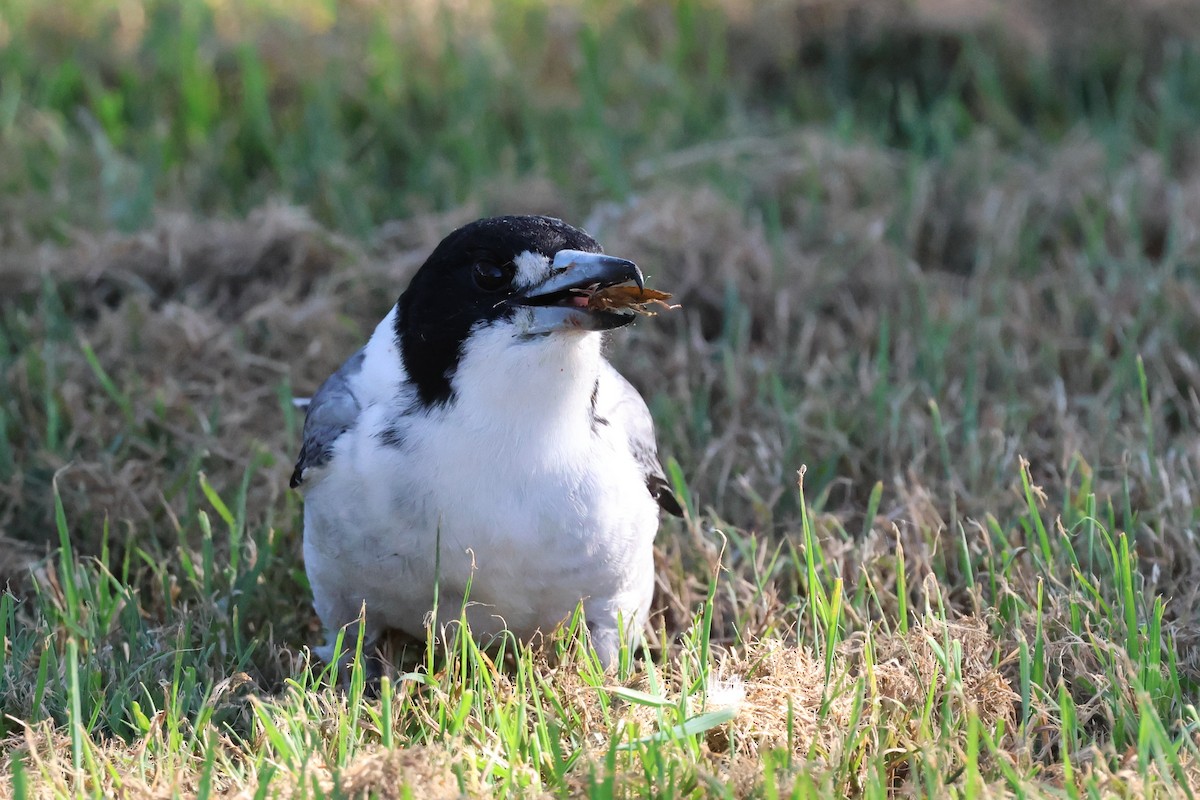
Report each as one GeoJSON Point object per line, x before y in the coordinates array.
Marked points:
{"type": "Point", "coordinates": [631, 298]}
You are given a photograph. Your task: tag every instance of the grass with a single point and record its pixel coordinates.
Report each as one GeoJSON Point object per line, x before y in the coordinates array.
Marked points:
{"type": "Point", "coordinates": [930, 403]}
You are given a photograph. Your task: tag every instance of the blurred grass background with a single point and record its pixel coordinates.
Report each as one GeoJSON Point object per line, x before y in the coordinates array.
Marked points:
{"type": "Point", "coordinates": [365, 112]}
{"type": "Point", "coordinates": [943, 252]}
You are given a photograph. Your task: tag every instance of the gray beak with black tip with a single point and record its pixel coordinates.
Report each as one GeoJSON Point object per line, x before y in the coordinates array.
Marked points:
{"type": "Point", "coordinates": [560, 303]}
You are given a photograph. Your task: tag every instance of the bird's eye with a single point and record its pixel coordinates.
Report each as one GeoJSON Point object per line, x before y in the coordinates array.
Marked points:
{"type": "Point", "coordinates": [492, 277]}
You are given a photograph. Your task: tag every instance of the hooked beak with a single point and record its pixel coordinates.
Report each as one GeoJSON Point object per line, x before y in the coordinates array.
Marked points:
{"type": "Point", "coordinates": [561, 301]}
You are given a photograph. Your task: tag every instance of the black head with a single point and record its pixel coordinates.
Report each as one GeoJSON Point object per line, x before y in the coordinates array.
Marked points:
{"type": "Point", "coordinates": [478, 275]}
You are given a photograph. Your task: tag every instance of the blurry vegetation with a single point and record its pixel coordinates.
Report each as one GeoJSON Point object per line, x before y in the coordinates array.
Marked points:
{"type": "Point", "coordinates": [944, 253]}
{"type": "Point", "coordinates": [365, 112]}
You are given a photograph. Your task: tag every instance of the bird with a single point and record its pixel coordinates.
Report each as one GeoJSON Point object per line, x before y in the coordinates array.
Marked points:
{"type": "Point", "coordinates": [480, 456]}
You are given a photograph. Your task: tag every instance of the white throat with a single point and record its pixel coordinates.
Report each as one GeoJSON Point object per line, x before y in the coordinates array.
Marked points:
{"type": "Point", "coordinates": [546, 380]}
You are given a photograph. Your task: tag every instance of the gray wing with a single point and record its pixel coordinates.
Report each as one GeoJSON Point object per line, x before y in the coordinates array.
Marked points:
{"type": "Point", "coordinates": [618, 401]}
{"type": "Point", "coordinates": [332, 411]}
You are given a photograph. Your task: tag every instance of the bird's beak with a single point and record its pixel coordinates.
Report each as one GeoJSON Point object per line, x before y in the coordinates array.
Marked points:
{"type": "Point", "coordinates": [561, 301]}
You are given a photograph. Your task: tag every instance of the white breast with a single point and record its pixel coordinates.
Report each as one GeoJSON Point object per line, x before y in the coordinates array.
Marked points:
{"type": "Point", "coordinates": [535, 506]}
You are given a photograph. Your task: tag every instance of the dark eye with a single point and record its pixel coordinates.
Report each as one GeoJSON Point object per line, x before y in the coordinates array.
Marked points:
{"type": "Point", "coordinates": [492, 277]}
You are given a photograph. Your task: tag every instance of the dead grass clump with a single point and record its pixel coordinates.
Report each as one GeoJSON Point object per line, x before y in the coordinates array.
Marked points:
{"type": "Point", "coordinates": [767, 35]}
{"type": "Point", "coordinates": [957, 656]}
{"type": "Point", "coordinates": [786, 702]}
{"type": "Point", "coordinates": [1109, 774]}
{"type": "Point", "coordinates": [785, 699]}
{"type": "Point", "coordinates": [424, 770]}
{"type": "Point", "coordinates": [385, 774]}
{"type": "Point", "coordinates": [46, 756]}
{"type": "Point", "coordinates": [227, 268]}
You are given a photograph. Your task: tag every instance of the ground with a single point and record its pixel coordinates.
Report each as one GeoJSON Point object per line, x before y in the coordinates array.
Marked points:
{"type": "Point", "coordinates": [932, 399]}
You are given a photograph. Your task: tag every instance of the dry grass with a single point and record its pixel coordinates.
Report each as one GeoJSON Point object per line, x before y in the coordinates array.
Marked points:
{"type": "Point", "coordinates": [376, 773]}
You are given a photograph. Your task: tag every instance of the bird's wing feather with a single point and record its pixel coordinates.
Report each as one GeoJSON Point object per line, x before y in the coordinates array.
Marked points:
{"type": "Point", "coordinates": [332, 411]}
{"type": "Point", "coordinates": [619, 402]}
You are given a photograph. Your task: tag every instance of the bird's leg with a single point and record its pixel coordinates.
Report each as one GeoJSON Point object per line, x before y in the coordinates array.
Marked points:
{"type": "Point", "coordinates": [607, 630]}
{"type": "Point", "coordinates": [606, 641]}
{"type": "Point", "coordinates": [347, 620]}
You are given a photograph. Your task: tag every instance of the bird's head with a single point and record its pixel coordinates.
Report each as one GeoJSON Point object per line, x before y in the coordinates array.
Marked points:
{"type": "Point", "coordinates": [524, 281]}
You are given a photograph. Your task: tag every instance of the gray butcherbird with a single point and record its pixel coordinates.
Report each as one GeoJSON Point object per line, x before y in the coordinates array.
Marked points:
{"type": "Point", "coordinates": [482, 417]}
